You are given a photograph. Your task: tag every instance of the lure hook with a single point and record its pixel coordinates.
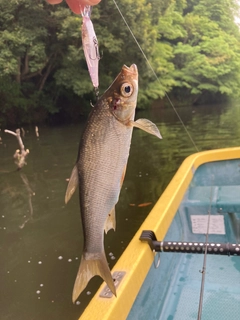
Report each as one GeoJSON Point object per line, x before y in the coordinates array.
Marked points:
{"type": "Point", "coordinates": [86, 12]}
{"type": "Point", "coordinates": [95, 44]}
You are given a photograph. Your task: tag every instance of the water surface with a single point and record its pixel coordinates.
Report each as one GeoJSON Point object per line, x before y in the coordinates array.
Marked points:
{"type": "Point", "coordinates": [41, 238]}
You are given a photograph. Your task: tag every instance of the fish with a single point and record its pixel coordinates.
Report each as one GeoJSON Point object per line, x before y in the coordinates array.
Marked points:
{"type": "Point", "coordinates": [100, 169]}
{"type": "Point", "coordinates": [90, 46]}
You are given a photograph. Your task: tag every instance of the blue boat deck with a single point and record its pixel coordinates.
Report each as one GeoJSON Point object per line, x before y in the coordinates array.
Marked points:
{"type": "Point", "coordinates": [172, 291]}
{"type": "Point", "coordinates": [221, 291]}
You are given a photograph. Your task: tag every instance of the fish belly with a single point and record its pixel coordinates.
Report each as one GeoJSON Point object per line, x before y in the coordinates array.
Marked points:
{"type": "Point", "coordinates": [104, 152]}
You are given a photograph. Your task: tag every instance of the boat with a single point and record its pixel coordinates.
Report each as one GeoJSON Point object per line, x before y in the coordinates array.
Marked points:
{"type": "Point", "coordinates": [183, 262]}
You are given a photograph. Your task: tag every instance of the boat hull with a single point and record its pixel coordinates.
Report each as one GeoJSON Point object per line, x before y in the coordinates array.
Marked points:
{"type": "Point", "coordinates": [167, 222]}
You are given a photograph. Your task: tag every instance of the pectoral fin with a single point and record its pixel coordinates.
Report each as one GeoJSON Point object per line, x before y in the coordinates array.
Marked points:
{"type": "Point", "coordinates": [146, 125]}
{"type": "Point", "coordinates": [72, 184]}
{"type": "Point", "coordinates": [110, 222]}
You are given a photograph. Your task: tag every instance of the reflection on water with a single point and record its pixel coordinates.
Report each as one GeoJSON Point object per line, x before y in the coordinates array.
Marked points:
{"type": "Point", "coordinates": [40, 237]}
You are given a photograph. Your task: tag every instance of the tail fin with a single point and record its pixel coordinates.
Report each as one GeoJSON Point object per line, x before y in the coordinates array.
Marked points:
{"type": "Point", "coordinates": [90, 268]}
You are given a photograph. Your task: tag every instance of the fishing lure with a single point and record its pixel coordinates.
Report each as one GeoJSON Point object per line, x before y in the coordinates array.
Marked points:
{"type": "Point", "coordinates": [89, 38]}
{"type": "Point", "coordinates": [90, 46]}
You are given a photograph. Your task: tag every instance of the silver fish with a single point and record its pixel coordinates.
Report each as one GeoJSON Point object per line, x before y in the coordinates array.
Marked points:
{"type": "Point", "coordinates": [100, 169]}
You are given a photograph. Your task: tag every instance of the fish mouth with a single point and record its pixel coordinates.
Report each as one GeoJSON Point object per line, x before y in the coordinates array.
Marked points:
{"type": "Point", "coordinates": [133, 69]}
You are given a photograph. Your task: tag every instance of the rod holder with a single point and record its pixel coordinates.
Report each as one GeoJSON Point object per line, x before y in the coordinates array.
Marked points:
{"type": "Point", "coordinates": [227, 249]}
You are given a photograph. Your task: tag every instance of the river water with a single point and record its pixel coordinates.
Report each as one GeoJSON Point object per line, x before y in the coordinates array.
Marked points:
{"type": "Point", "coordinates": [41, 237]}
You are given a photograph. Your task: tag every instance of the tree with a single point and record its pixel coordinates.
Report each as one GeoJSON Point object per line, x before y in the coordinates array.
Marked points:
{"type": "Point", "coordinates": [207, 58]}
{"type": "Point", "coordinates": [25, 62]}
{"type": "Point", "coordinates": [192, 46]}
{"type": "Point", "coordinates": [41, 52]}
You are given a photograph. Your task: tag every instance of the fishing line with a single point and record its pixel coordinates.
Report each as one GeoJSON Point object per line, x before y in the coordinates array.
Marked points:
{"type": "Point", "coordinates": [155, 75]}
{"type": "Point", "coordinates": [203, 271]}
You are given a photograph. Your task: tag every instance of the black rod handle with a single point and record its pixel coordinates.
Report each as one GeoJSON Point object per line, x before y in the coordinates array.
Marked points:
{"type": "Point", "coordinates": [229, 249]}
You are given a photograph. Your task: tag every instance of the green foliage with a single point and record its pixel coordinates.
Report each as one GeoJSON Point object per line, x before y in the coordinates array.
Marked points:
{"type": "Point", "coordinates": [193, 47]}
{"type": "Point", "coordinates": [207, 58]}
{"type": "Point", "coordinates": [23, 58]}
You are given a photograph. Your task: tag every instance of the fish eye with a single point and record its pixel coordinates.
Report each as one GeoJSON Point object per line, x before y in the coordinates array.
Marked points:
{"type": "Point", "coordinates": [126, 89]}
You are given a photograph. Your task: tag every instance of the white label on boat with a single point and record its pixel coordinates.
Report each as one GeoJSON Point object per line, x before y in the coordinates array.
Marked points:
{"type": "Point", "coordinates": [200, 223]}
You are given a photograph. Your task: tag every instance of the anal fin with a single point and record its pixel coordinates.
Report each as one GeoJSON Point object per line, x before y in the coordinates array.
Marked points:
{"type": "Point", "coordinates": [110, 222]}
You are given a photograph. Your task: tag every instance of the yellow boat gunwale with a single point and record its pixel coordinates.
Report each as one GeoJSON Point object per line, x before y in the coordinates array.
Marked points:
{"type": "Point", "coordinates": [137, 258]}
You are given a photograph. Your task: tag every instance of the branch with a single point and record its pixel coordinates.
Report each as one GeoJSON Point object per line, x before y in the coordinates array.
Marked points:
{"type": "Point", "coordinates": [19, 155]}
{"type": "Point", "coordinates": [49, 69]}
{"type": "Point", "coordinates": [38, 72]}
{"type": "Point", "coordinates": [36, 131]}
{"type": "Point", "coordinates": [31, 75]}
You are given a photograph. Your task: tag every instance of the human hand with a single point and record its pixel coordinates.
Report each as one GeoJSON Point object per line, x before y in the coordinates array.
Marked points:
{"type": "Point", "coordinates": [76, 6]}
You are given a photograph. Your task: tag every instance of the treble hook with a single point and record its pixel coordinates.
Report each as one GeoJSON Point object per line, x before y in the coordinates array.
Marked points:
{"type": "Point", "coordinates": [95, 44]}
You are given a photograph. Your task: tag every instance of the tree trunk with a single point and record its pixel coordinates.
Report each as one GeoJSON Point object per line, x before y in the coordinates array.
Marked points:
{"type": "Point", "coordinates": [26, 64]}
{"type": "Point", "coordinates": [42, 83]}
{"type": "Point", "coordinates": [18, 75]}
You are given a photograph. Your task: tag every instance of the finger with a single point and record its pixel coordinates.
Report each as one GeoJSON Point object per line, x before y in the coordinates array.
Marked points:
{"type": "Point", "coordinates": [54, 1]}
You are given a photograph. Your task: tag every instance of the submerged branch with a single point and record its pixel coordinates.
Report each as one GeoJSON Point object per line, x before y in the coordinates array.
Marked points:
{"type": "Point", "coordinates": [36, 131]}
{"type": "Point", "coordinates": [19, 155]}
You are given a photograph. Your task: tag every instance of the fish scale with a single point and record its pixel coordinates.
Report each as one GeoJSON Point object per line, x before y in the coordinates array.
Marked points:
{"type": "Point", "coordinates": [104, 152]}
